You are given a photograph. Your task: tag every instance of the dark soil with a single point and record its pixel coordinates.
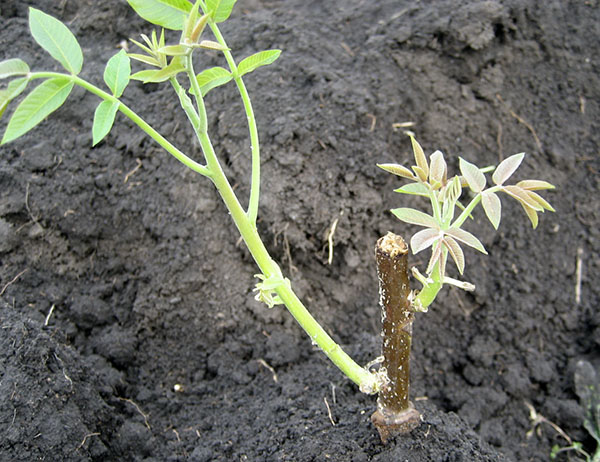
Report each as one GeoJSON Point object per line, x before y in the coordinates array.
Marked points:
{"type": "Point", "coordinates": [122, 279]}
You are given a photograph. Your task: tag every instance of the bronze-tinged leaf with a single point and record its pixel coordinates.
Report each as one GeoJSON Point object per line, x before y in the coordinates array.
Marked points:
{"type": "Point", "coordinates": [415, 217]}
{"type": "Point", "coordinates": [492, 207]}
{"type": "Point", "coordinates": [436, 255]}
{"type": "Point", "coordinates": [423, 239]}
{"type": "Point", "coordinates": [421, 174]}
{"type": "Point", "coordinates": [534, 185]}
{"type": "Point", "coordinates": [144, 59]}
{"type": "Point", "coordinates": [467, 238]}
{"type": "Point", "coordinates": [522, 196]}
{"type": "Point", "coordinates": [471, 173]}
{"type": "Point", "coordinates": [398, 170]}
{"type": "Point", "coordinates": [437, 168]}
{"type": "Point", "coordinates": [415, 189]}
{"type": "Point", "coordinates": [540, 200]}
{"type": "Point", "coordinates": [174, 50]}
{"type": "Point", "coordinates": [531, 214]}
{"type": "Point", "coordinates": [506, 168]}
{"type": "Point", "coordinates": [212, 45]}
{"type": "Point", "coordinates": [420, 158]}
{"type": "Point", "coordinates": [455, 252]}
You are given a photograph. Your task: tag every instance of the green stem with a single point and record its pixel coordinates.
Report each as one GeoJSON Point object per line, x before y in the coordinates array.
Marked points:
{"type": "Point", "coordinates": [359, 375]}
{"type": "Point", "coordinates": [247, 229]}
{"type": "Point", "coordinates": [466, 212]}
{"type": "Point", "coordinates": [161, 140]}
{"type": "Point", "coordinates": [203, 127]}
{"type": "Point", "coordinates": [428, 294]}
{"type": "Point", "coordinates": [254, 142]}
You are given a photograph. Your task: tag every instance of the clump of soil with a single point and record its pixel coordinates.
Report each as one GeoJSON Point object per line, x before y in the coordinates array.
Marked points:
{"type": "Point", "coordinates": [129, 329]}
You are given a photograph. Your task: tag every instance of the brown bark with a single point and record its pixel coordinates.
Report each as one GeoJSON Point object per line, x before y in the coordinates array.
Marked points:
{"type": "Point", "coordinates": [395, 413]}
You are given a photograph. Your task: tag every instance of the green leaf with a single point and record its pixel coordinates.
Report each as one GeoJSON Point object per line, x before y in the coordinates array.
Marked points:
{"type": "Point", "coordinates": [161, 75]}
{"type": "Point", "coordinates": [117, 72]}
{"type": "Point", "coordinates": [415, 189]}
{"type": "Point", "coordinates": [169, 14]}
{"type": "Point", "coordinates": [14, 89]}
{"type": "Point", "coordinates": [220, 10]}
{"type": "Point", "coordinates": [475, 179]}
{"type": "Point", "coordinates": [506, 168]}
{"type": "Point", "coordinates": [42, 101]}
{"type": "Point", "coordinates": [54, 37]}
{"type": "Point", "coordinates": [174, 50]}
{"type": "Point", "coordinates": [13, 67]}
{"type": "Point", "coordinates": [466, 237]}
{"type": "Point", "coordinates": [492, 207]}
{"type": "Point", "coordinates": [104, 118]}
{"type": "Point", "coordinates": [211, 78]}
{"type": "Point", "coordinates": [415, 217]}
{"type": "Point", "coordinates": [262, 58]}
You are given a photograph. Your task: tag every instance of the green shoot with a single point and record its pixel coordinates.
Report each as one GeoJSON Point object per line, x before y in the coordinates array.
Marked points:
{"type": "Point", "coordinates": [171, 62]}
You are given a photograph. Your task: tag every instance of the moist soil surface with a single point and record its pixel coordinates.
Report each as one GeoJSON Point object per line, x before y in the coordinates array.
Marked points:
{"type": "Point", "coordinates": [129, 326]}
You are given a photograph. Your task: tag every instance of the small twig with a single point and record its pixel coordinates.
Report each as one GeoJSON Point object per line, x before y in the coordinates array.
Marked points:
{"type": "Point", "coordinates": [499, 143]}
{"type": "Point", "coordinates": [62, 364]}
{"type": "Point", "coordinates": [13, 281]}
{"type": "Point", "coordinates": [399, 125]}
{"type": "Point", "coordinates": [373, 121]}
{"type": "Point", "coordinates": [538, 419]}
{"type": "Point", "coordinates": [47, 321]}
{"type": "Point", "coordinates": [329, 412]}
{"type": "Point", "coordinates": [34, 219]}
{"type": "Point", "coordinates": [135, 169]}
{"type": "Point", "coordinates": [347, 49]}
{"type": "Point", "coordinates": [330, 240]}
{"type": "Point", "coordinates": [523, 121]}
{"type": "Point", "coordinates": [89, 435]}
{"type": "Point", "coordinates": [578, 272]}
{"type": "Point", "coordinates": [263, 363]}
{"type": "Point", "coordinates": [127, 400]}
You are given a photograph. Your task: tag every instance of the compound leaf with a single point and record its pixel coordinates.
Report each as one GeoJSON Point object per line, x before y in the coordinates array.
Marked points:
{"type": "Point", "coordinates": [54, 37]}
{"type": "Point", "coordinates": [104, 118]}
{"type": "Point", "coordinates": [117, 72]}
{"type": "Point", "coordinates": [169, 14]}
{"type": "Point", "coordinates": [13, 67]}
{"type": "Point", "coordinates": [262, 58]}
{"type": "Point", "coordinates": [220, 10]}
